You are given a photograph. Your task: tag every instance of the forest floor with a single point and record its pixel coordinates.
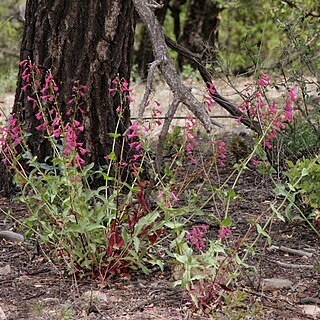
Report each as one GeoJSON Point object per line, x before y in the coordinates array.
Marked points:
{"type": "Point", "coordinates": [284, 286]}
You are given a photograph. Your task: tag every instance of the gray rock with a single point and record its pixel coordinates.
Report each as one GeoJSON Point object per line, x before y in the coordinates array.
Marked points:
{"type": "Point", "coordinates": [276, 283]}
{"type": "Point", "coordinates": [11, 236]}
{"type": "Point", "coordinates": [2, 315]}
{"type": "Point", "coordinates": [5, 270]}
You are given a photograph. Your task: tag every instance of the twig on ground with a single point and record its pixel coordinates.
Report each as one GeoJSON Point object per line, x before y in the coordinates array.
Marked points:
{"type": "Point", "coordinates": [294, 266]}
{"type": "Point", "coordinates": [291, 251]}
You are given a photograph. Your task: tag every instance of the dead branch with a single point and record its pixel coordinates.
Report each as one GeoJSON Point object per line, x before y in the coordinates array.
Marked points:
{"type": "Point", "coordinates": [291, 251]}
{"type": "Point", "coordinates": [165, 128]}
{"type": "Point", "coordinates": [206, 76]}
{"type": "Point", "coordinates": [294, 266]}
{"type": "Point", "coordinates": [147, 93]}
{"type": "Point", "coordinates": [160, 51]}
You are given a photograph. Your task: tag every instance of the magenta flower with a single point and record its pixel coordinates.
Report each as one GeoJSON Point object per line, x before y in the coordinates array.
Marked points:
{"type": "Point", "coordinates": [264, 80]}
{"type": "Point", "coordinates": [39, 115]}
{"type": "Point", "coordinates": [112, 90]}
{"type": "Point", "coordinates": [292, 94]}
{"type": "Point", "coordinates": [223, 232]}
{"type": "Point", "coordinates": [42, 126]}
{"type": "Point", "coordinates": [196, 236]}
{"type": "Point", "coordinates": [174, 197]}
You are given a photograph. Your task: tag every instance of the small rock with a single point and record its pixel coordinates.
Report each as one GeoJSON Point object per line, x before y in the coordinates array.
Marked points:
{"type": "Point", "coordinates": [276, 283]}
{"type": "Point", "coordinates": [50, 300]}
{"type": "Point", "coordinates": [96, 295]}
{"type": "Point", "coordinates": [311, 310]}
{"type": "Point", "coordinates": [11, 236]}
{"type": "Point", "coordinates": [5, 270]}
{"type": "Point", "coordinates": [2, 315]}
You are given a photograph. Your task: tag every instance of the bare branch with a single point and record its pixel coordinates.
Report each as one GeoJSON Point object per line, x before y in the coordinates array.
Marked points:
{"type": "Point", "coordinates": [205, 74]}
{"type": "Point", "coordinates": [291, 251]}
{"type": "Point", "coordinates": [165, 128]}
{"type": "Point", "coordinates": [160, 51]}
{"type": "Point", "coordinates": [153, 5]}
{"type": "Point", "coordinates": [146, 95]}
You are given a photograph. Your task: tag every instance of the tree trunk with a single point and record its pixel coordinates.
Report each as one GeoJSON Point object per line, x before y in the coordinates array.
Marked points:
{"type": "Point", "coordinates": [89, 41]}
{"type": "Point", "coordinates": [200, 31]}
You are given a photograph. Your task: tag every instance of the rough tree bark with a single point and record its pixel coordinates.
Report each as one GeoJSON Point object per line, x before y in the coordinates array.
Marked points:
{"type": "Point", "coordinates": [200, 31]}
{"type": "Point", "coordinates": [85, 40]}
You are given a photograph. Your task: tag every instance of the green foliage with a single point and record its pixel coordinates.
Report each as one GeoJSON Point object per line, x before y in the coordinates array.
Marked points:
{"type": "Point", "coordinates": [304, 178]}
{"type": "Point", "coordinates": [10, 35]}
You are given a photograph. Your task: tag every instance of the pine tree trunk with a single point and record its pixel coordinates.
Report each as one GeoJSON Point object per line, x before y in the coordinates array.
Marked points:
{"type": "Point", "coordinates": [200, 31]}
{"type": "Point", "coordinates": [85, 40]}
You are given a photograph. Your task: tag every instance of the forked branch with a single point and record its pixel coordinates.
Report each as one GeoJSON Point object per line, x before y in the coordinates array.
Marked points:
{"type": "Point", "coordinates": [181, 93]}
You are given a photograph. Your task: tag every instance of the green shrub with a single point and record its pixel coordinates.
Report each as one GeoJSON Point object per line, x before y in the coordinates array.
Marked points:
{"type": "Point", "coordinates": [304, 178]}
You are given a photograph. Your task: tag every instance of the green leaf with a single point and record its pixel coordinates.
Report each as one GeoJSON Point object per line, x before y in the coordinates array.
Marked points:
{"type": "Point", "coordinates": [226, 222]}
{"type": "Point", "coordinates": [112, 156]}
{"type": "Point", "coordinates": [115, 135]}
{"type": "Point", "coordinates": [276, 211]}
{"type": "Point", "coordinates": [136, 243]}
{"type": "Point", "coordinates": [264, 233]}
{"type": "Point", "coordinates": [174, 225]}
{"type": "Point", "coordinates": [95, 226]}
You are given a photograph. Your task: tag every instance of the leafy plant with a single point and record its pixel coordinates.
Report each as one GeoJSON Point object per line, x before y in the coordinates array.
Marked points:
{"type": "Point", "coordinates": [304, 178]}
{"type": "Point", "coordinates": [98, 231]}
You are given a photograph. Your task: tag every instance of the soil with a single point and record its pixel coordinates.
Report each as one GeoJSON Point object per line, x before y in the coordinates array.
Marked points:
{"type": "Point", "coordinates": [32, 288]}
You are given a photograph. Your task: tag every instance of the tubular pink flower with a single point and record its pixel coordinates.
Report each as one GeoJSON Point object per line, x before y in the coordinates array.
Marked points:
{"type": "Point", "coordinates": [112, 90]}
{"type": "Point", "coordinates": [57, 132]}
{"type": "Point", "coordinates": [223, 232]}
{"type": "Point", "coordinates": [42, 126]}
{"type": "Point", "coordinates": [79, 161]}
{"type": "Point", "coordinates": [292, 94]}
{"type": "Point", "coordinates": [39, 115]}
{"type": "Point", "coordinates": [174, 198]}
{"type": "Point", "coordinates": [130, 98]}
{"type": "Point", "coordinates": [264, 80]}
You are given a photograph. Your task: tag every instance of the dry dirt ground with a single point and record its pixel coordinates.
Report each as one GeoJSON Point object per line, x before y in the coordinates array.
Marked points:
{"type": "Point", "coordinates": [32, 288]}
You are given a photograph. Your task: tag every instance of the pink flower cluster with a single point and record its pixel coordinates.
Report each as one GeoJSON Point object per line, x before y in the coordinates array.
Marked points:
{"type": "Point", "coordinates": [223, 232]}
{"type": "Point", "coordinates": [76, 102]}
{"type": "Point", "coordinates": [270, 115]}
{"type": "Point", "coordinates": [191, 138]}
{"type": "Point", "coordinates": [220, 151]}
{"type": "Point", "coordinates": [209, 100]}
{"type": "Point", "coordinates": [196, 236]}
{"type": "Point", "coordinates": [10, 138]}
{"type": "Point", "coordinates": [132, 133]}
{"type": "Point", "coordinates": [45, 93]}
{"type": "Point", "coordinates": [71, 143]}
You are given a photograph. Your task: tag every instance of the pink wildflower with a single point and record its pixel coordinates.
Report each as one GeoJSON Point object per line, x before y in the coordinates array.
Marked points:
{"type": "Point", "coordinates": [39, 115]}
{"type": "Point", "coordinates": [196, 237]}
{"type": "Point", "coordinates": [292, 94]}
{"type": "Point", "coordinates": [264, 80]}
{"type": "Point", "coordinates": [174, 197]}
{"type": "Point", "coordinates": [223, 232]}
{"type": "Point", "coordinates": [112, 90]}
